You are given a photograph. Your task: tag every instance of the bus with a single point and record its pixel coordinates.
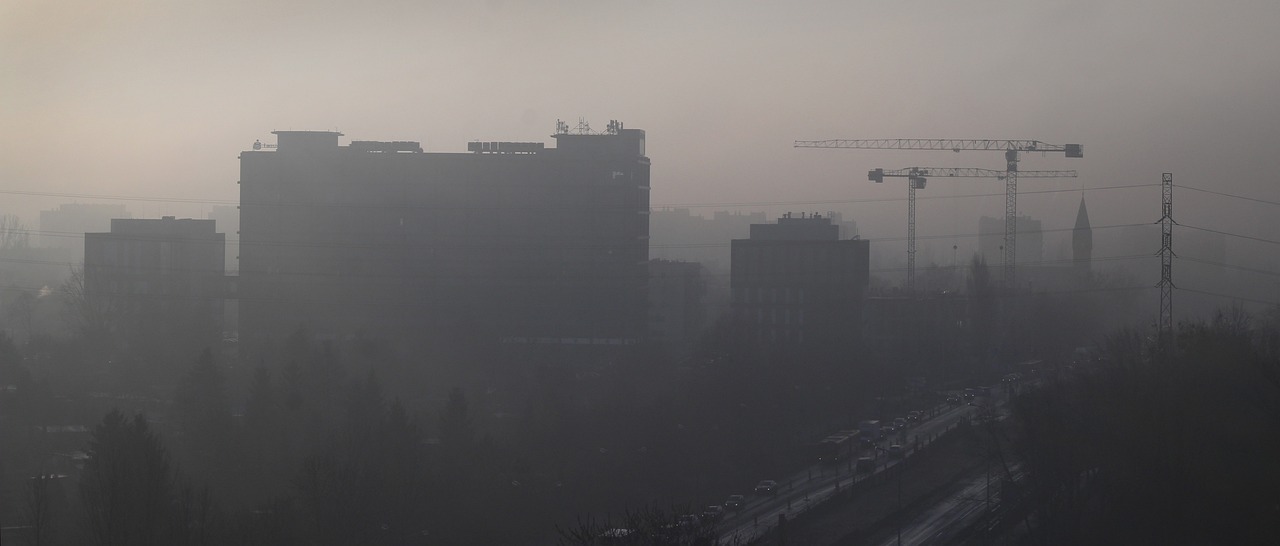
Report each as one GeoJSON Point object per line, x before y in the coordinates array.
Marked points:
{"type": "Point", "coordinates": [837, 446]}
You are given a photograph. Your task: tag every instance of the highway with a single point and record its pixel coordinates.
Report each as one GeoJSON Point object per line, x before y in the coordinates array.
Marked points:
{"type": "Point", "coordinates": [963, 506]}
{"type": "Point", "coordinates": [815, 484]}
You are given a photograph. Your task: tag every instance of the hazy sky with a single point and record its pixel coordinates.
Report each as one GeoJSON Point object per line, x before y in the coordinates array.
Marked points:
{"type": "Point", "coordinates": [158, 98]}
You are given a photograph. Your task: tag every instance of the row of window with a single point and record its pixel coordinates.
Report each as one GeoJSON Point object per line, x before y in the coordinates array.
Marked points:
{"type": "Point", "coordinates": [762, 295]}
{"type": "Point", "coordinates": [772, 316]}
{"type": "Point", "coordinates": [783, 335]}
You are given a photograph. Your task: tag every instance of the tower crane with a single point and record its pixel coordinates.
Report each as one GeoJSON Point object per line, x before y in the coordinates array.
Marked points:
{"type": "Point", "coordinates": [916, 180]}
{"type": "Point", "coordinates": [1011, 148]}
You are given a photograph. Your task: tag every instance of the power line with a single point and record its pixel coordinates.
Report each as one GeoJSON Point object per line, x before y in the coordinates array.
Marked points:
{"type": "Point", "coordinates": [430, 297]}
{"type": "Point", "coordinates": [1259, 239]}
{"type": "Point", "coordinates": [397, 279]}
{"type": "Point", "coordinates": [522, 244]}
{"type": "Point", "coordinates": [1225, 194]}
{"type": "Point", "coordinates": [1228, 296]}
{"type": "Point", "coordinates": [526, 207]}
{"type": "Point", "coordinates": [120, 197]}
{"type": "Point", "coordinates": [1228, 266]}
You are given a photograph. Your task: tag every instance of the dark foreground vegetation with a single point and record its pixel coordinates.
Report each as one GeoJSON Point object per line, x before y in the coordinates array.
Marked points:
{"type": "Point", "coordinates": [110, 439]}
{"type": "Point", "coordinates": [1146, 446]}
{"type": "Point", "coordinates": [355, 443]}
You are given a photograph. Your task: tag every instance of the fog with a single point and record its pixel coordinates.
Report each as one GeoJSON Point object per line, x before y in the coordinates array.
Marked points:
{"type": "Point", "coordinates": [156, 107]}
{"type": "Point", "coordinates": [156, 99]}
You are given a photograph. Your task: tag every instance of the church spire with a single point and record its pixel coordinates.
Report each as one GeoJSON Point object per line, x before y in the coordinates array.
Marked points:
{"type": "Point", "coordinates": [1082, 241]}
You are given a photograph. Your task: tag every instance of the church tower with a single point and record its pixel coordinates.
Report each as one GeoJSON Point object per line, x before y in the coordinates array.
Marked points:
{"type": "Point", "coordinates": [1082, 243]}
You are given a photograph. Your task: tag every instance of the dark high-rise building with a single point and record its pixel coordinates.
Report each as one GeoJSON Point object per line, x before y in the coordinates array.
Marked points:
{"type": "Point", "coordinates": [797, 282]}
{"type": "Point", "coordinates": [513, 241]}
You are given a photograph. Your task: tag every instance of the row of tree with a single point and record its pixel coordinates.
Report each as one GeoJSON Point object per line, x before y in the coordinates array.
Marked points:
{"type": "Point", "coordinates": [1152, 444]}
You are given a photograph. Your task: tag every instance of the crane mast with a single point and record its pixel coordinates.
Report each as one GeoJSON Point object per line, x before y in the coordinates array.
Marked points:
{"type": "Point", "coordinates": [917, 179]}
{"type": "Point", "coordinates": [1012, 148]}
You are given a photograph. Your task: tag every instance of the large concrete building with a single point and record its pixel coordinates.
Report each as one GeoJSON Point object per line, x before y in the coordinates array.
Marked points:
{"type": "Point", "coordinates": [677, 303]}
{"type": "Point", "coordinates": [511, 241]}
{"type": "Point", "coordinates": [797, 282]}
{"type": "Point", "coordinates": [158, 272]}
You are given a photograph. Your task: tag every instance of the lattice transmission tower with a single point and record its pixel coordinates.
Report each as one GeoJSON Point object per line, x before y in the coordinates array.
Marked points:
{"type": "Point", "coordinates": [1166, 262]}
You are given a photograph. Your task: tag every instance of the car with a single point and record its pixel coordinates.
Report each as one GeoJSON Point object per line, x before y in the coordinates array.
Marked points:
{"type": "Point", "coordinates": [767, 487]}
{"type": "Point", "coordinates": [713, 513]}
{"type": "Point", "coordinates": [953, 400]}
{"type": "Point", "coordinates": [900, 423]}
{"type": "Point", "coordinates": [896, 451]}
{"type": "Point", "coordinates": [886, 431]}
{"type": "Point", "coordinates": [735, 502]}
{"type": "Point", "coordinates": [914, 417]}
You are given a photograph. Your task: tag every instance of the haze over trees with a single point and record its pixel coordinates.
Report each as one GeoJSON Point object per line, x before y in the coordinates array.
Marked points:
{"type": "Point", "coordinates": [1167, 446]}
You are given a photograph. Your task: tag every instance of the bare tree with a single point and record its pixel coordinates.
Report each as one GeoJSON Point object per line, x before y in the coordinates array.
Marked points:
{"type": "Point", "coordinates": [93, 316]}
{"type": "Point", "coordinates": [13, 234]}
{"type": "Point", "coordinates": [38, 511]}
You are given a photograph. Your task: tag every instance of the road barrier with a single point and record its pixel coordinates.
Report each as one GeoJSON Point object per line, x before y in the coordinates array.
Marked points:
{"type": "Point", "coordinates": [879, 476]}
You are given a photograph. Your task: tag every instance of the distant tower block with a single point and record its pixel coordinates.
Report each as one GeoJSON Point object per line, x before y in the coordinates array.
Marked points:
{"type": "Point", "coordinates": [1082, 243]}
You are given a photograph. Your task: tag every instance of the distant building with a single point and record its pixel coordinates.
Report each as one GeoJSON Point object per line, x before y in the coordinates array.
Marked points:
{"type": "Point", "coordinates": [893, 327]}
{"type": "Point", "coordinates": [1030, 240]}
{"type": "Point", "coordinates": [228, 219]}
{"type": "Point", "coordinates": [513, 242]}
{"type": "Point", "coordinates": [797, 282]}
{"type": "Point", "coordinates": [165, 272]}
{"type": "Point", "coordinates": [677, 303]}
{"type": "Point", "coordinates": [65, 226]}
{"type": "Point", "coordinates": [678, 234]}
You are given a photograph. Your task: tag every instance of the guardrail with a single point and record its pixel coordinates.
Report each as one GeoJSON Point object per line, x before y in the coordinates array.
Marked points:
{"type": "Point", "coordinates": [841, 488]}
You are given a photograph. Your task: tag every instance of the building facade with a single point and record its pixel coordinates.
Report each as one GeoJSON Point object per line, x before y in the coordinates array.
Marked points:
{"type": "Point", "coordinates": [158, 274]}
{"type": "Point", "coordinates": [511, 241]}
{"type": "Point", "coordinates": [797, 282]}
{"type": "Point", "coordinates": [677, 303]}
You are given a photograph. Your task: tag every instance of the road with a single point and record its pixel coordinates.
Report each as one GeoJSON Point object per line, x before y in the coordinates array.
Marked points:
{"type": "Point", "coordinates": [963, 506]}
{"type": "Point", "coordinates": [967, 502]}
{"type": "Point", "coordinates": [817, 483]}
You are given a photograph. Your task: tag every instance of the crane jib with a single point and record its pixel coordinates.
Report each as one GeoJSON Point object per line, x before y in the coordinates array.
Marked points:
{"type": "Point", "coordinates": [1071, 150]}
